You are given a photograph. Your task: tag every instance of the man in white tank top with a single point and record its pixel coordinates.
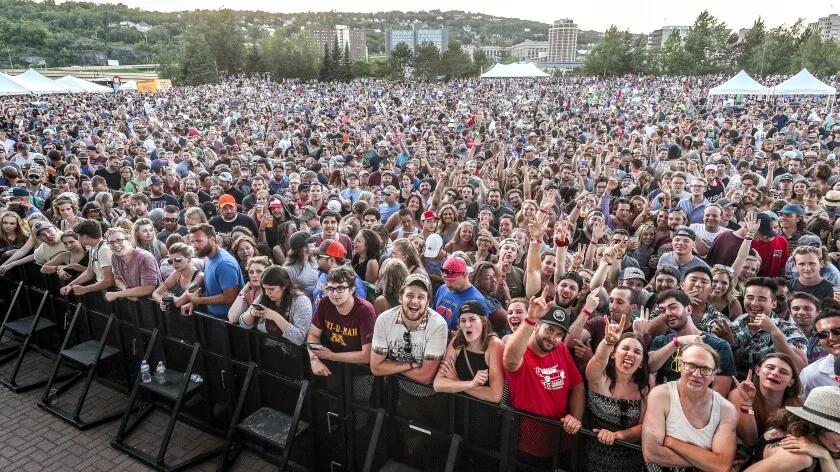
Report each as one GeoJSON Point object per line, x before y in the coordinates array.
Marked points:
{"type": "Point", "coordinates": [688, 425]}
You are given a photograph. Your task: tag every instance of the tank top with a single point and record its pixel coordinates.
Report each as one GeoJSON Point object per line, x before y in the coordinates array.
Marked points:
{"type": "Point", "coordinates": [678, 427]}
{"type": "Point", "coordinates": [476, 360]}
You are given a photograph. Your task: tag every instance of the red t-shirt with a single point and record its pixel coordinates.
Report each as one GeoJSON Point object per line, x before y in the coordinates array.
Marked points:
{"type": "Point", "coordinates": [345, 333]}
{"type": "Point", "coordinates": [541, 386]}
{"type": "Point", "coordinates": [774, 256]}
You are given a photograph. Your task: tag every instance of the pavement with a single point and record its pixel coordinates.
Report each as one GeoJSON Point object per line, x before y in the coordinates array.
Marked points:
{"type": "Point", "coordinates": [33, 440]}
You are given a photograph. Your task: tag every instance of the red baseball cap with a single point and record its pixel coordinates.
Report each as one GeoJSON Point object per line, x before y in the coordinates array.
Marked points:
{"type": "Point", "coordinates": [428, 215]}
{"type": "Point", "coordinates": [226, 200]}
{"type": "Point", "coordinates": [453, 267]}
{"type": "Point", "coordinates": [332, 248]}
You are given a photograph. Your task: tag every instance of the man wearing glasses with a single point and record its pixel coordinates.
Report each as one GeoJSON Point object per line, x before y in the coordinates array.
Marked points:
{"type": "Point", "coordinates": [136, 272]}
{"type": "Point", "coordinates": [822, 372]}
{"type": "Point", "coordinates": [170, 223]}
{"type": "Point", "coordinates": [342, 326]}
{"type": "Point", "coordinates": [409, 339]}
{"type": "Point", "coordinates": [702, 435]}
{"type": "Point", "coordinates": [331, 255]}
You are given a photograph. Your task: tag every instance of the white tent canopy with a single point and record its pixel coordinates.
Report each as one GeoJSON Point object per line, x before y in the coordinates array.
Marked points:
{"type": "Point", "coordinates": [10, 87]}
{"type": "Point", "coordinates": [80, 85]}
{"type": "Point", "coordinates": [740, 84]}
{"type": "Point", "coordinates": [514, 70]}
{"type": "Point", "coordinates": [130, 85]}
{"type": "Point", "coordinates": [33, 81]}
{"type": "Point", "coordinates": [803, 83]}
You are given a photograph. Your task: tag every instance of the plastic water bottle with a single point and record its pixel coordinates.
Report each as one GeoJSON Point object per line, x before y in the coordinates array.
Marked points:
{"type": "Point", "coordinates": [160, 373]}
{"type": "Point", "coordinates": [145, 372]}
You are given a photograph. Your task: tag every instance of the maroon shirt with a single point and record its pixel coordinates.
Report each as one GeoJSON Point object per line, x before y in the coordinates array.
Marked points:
{"type": "Point", "coordinates": [345, 333]}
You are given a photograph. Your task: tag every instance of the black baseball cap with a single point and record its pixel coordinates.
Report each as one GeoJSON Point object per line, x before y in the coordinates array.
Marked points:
{"type": "Point", "coordinates": [558, 317]}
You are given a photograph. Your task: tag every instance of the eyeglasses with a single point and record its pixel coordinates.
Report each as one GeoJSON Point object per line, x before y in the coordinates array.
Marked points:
{"type": "Point", "coordinates": [170, 220]}
{"type": "Point", "coordinates": [450, 272]}
{"type": "Point", "coordinates": [824, 334]}
{"type": "Point", "coordinates": [407, 340]}
{"type": "Point", "coordinates": [336, 290]}
{"type": "Point", "coordinates": [691, 367]}
{"type": "Point", "coordinates": [117, 242]}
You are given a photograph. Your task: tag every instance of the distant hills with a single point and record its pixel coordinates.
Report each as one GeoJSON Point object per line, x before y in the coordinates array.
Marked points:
{"type": "Point", "coordinates": [81, 33]}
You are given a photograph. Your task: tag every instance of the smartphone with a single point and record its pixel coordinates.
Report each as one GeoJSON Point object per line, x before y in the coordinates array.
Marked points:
{"type": "Point", "coordinates": [314, 346]}
{"type": "Point", "coordinates": [258, 306]}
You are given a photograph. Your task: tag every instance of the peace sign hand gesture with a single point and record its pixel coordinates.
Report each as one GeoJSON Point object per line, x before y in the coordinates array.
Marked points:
{"type": "Point", "coordinates": [640, 323]}
{"type": "Point", "coordinates": [613, 330]}
{"type": "Point", "coordinates": [746, 388]}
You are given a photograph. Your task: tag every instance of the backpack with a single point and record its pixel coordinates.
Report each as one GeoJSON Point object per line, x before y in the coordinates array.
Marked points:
{"type": "Point", "coordinates": [371, 292]}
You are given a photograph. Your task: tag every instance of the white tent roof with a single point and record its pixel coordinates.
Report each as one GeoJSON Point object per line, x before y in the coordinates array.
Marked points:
{"type": "Point", "coordinates": [10, 87]}
{"type": "Point", "coordinates": [803, 83]}
{"type": "Point", "coordinates": [80, 85]}
{"type": "Point", "coordinates": [514, 70]}
{"type": "Point", "coordinates": [740, 84]}
{"type": "Point", "coordinates": [33, 81]}
{"type": "Point", "coordinates": [130, 85]}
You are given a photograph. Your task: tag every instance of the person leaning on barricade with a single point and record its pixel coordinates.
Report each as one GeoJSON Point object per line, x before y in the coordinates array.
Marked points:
{"type": "Point", "coordinates": [99, 267]}
{"type": "Point", "coordinates": [222, 277]}
{"type": "Point", "coordinates": [136, 273]}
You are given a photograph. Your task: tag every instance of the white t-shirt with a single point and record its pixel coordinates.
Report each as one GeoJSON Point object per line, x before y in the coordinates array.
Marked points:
{"type": "Point", "coordinates": [428, 341]}
{"type": "Point", "coordinates": [707, 236]}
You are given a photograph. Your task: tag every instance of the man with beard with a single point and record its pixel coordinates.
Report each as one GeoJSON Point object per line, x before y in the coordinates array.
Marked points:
{"type": "Point", "coordinates": [257, 185]}
{"type": "Point", "coordinates": [708, 440]}
{"type": "Point", "coordinates": [222, 277]}
{"type": "Point", "coordinates": [329, 230]}
{"type": "Point", "coordinates": [682, 256]}
{"type": "Point", "coordinates": [494, 199]}
{"type": "Point", "coordinates": [192, 184]}
{"type": "Point", "coordinates": [427, 188]}
{"type": "Point", "coordinates": [515, 199]}
{"type": "Point", "coordinates": [229, 217]}
{"type": "Point", "coordinates": [594, 230]}
{"type": "Point", "coordinates": [543, 380]}
{"type": "Point", "coordinates": [675, 308]}
{"type": "Point", "coordinates": [170, 219]}
{"type": "Point", "coordinates": [409, 339]}
{"type": "Point", "coordinates": [457, 289]}
{"type": "Point", "coordinates": [139, 206]}
{"type": "Point", "coordinates": [158, 198]}
{"type": "Point", "coordinates": [822, 372]}
{"type": "Point", "coordinates": [136, 272]}
{"type": "Point", "coordinates": [759, 331]}
{"type": "Point", "coordinates": [226, 182]}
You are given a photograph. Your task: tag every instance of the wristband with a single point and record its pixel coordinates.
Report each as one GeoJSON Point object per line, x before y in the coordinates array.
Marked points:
{"type": "Point", "coordinates": [586, 312]}
{"type": "Point", "coordinates": [542, 210]}
{"type": "Point", "coordinates": [559, 243]}
{"type": "Point", "coordinates": [676, 343]}
{"type": "Point", "coordinates": [313, 357]}
{"type": "Point", "coordinates": [748, 411]}
{"type": "Point", "coordinates": [528, 320]}
{"type": "Point", "coordinates": [536, 241]}
{"type": "Point", "coordinates": [609, 343]}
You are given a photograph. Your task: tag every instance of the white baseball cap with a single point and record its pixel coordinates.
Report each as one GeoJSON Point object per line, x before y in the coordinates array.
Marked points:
{"type": "Point", "coordinates": [433, 244]}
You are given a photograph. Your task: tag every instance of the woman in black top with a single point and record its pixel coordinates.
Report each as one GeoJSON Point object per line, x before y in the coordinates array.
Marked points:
{"type": "Point", "coordinates": [68, 265]}
{"type": "Point", "coordinates": [366, 256]}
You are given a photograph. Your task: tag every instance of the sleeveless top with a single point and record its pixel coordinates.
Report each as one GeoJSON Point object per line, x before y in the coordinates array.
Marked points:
{"type": "Point", "coordinates": [603, 412]}
{"type": "Point", "coordinates": [476, 360]}
{"type": "Point", "coordinates": [178, 290]}
{"type": "Point", "coordinates": [392, 300]}
{"type": "Point", "coordinates": [678, 427]}
{"type": "Point", "coordinates": [83, 262]}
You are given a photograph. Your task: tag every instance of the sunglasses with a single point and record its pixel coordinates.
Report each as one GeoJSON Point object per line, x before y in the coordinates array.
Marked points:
{"type": "Point", "coordinates": [450, 272]}
{"type": "Point", "coordinates": [170, 220]}
{"type": "Point", "coordinates": [728, 269]}
{"type": "Point", "coordinates": [177, 260]}
{"type": "Point", "coordinates": [824, 334]}
{"type": "Point", "coordinates": [407, 340]}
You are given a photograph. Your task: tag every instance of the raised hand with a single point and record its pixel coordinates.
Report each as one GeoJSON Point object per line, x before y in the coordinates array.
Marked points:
{"type": "Point", "coordinates": [583, 351]}
{"type": "Point", "coordinates": [746, 388]}
{"type": "Point", "coordinates": [751, 223]}
{"type": "Point", "coordinates": [640, 324]}
{"type": "Point", "coordinates": [538, 307]}
{"type": "Point", "coordinates": [612, 332]}
{"type": "Point", "coordinates": [722, 330]}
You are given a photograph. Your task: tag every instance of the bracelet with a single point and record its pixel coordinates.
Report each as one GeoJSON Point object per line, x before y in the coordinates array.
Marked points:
{"type": "Point", "coordinates": [536, 241]}
{"type": "Point", "coordinates": [748, 411]}
{"type": "Point", "coordinates": [561, 243]}
{"type": "Point", "coordinates": [748, 405]}
{"type": "Point", "coordinates": [609, 343]}
{"type": "Point", "coordinates": [542, 210]}
{"type": "Point", "coordinates": [313, 357]}
{"type": "Point", "coordinates": [586, 312]}
{"type": "Point", "coordinates": [528, 320]}
{"type": "Point", "coordinates": [676, 343]}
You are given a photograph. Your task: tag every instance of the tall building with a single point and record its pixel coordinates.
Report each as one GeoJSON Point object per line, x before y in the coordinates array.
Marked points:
{"type": "Point", "coordinates": [530, 51]}
{"type": "Point", "coordinates": [828, 27]}
{"type": "Point", "coordinates": [658, 38]}
{"type": "Point", "coordinates": [493, 53]}
{"type": "Point", "coordinates": [562, 41]}
{"type": "Point", "coordinates": [415, 37]}
{"type": "Point", "coordinates": [354, 38]}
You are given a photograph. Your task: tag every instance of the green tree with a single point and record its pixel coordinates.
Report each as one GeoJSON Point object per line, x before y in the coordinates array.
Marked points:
{"type": "Point", "coordinates": [480, 61]}
{"type": "Point", "coordinates": [224, 37]}
{"type": "Point", "coordinates": [673, 59]}
{"type": "Point", "coordinates": [426, 61]}
{"type": "Point", "coordinates": [292, 56]}
{"type": "Point", "coordinates": [707, 45]}
{"type": "Point", "coordinates": [455, 62]}
{"type": "Point", "coordinates": [197, 65]}
{"type": "Point", "coordinates": [750, 51]}
{"type": "Point", "coordinates": [326, 72]}
{"type": "Point", "coordinates": [400, 59]}
{"type": "Point", "coordinates": [821, 57]}
{"type": "Point", "coordinates": [254, 61]}
{"type": "Point", "coordinates": [346, 64]}
{"type": "Point", "coordinates": [781, 46]}
{"type": "Point", "coordinates": [505, 57]}
{"type": "Point", "coordinates": [612, 56]}
{"type": "Point", "coordinates": [377, 68]}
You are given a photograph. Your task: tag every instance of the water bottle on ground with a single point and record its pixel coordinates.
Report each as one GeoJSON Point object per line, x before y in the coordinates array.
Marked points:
{"type": "Point", "coordinates": [145, 372]}
{"type": "Point", "coordinates": [160, 373]}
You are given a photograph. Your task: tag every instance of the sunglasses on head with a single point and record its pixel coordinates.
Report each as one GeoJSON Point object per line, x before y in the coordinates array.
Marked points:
{"type": "Point", "coordinates": [450, 272]}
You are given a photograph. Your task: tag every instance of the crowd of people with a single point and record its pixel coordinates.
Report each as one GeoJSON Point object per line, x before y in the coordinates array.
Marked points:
{"type": "Point", "coordinates": [620, 255]}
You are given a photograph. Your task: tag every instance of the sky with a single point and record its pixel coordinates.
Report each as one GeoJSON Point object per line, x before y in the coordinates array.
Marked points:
{"type": "Point", "coordinates": [643, 17]}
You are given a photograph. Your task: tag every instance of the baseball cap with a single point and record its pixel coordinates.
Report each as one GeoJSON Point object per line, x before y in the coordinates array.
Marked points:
{"type": "Point", "coordinates": [41, 224]}
{"type": "Point", "coordinates": [710, 167]}
{"type": "Point", "coordinates": [810, 240]}
{"type": "Point", "coordinates": [791, 209]}
{"type": "Point", "coordinates": [685, 231]}
{"type": "Point", "coordinates": [304, 187]}
{"type": "Point", "coordinates": [453, 267]}
{"type": "Point", "coordinates": [332, 248]}
{"type": "Point", "coordinates": [786, 177]}
{"type": "Point", "coordinates": [420, 280]}
{"type": "Point", "coordinates": [558, 317]}
{"type": "Point", "coordinates": [433, 244]}
{"type": "Point", "coordinates": [631, 273]}
{"type": "Point", "coordinates": [20, 192]}
{"type": "Point", "coordinates": [209, 209]}
{"type": "Point", "coordinates": [298, 240]}
{"type": "Point", "coordinates": [308, 212]}
{"type": "Point", "coordinates": [473, 306]}
{"type": "Point", "coordinates": [766, 225]}
{"type": "Point", "coordinates": [226, 200]}
{"type": "Point", "coordinates": [669, 270]}
{"type": "Point", "coordinates": [225, 177]}
{"type": "Point", "coordinates": [390, 190]}
{"type": "Point", "coordinates": [725, 202]}
{"type": "Point", "coordinates": [334, 205]}
{"type": "Point", "coordinates": [155, 180]}
{"type": "Point", "coordinates": [428, 215]}
{"type": "Point", "coordinates": [158, 164]}
{"type": "Point", "coordinates": [275, 204]}
{"type": "Point", "coordinates": [530, 148]}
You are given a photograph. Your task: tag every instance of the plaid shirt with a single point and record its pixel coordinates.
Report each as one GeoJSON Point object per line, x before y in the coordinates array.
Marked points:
{"type": "Point", "coordinates": [710, 318]}
{"type": "Point", "coordinates": [751, 348]}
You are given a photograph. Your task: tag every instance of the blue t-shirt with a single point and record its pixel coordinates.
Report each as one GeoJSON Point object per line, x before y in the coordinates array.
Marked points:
{"type": "Point", "coordinates": [448, 304]}
{"type": "Point", "coordinates": [361, 289]}
{"type": "Point", "coordinates": [352, 196]}
{"type": "Point", "coordinates": [386, 211]}
{"type": "Point", "coordinates": [220, 272]}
